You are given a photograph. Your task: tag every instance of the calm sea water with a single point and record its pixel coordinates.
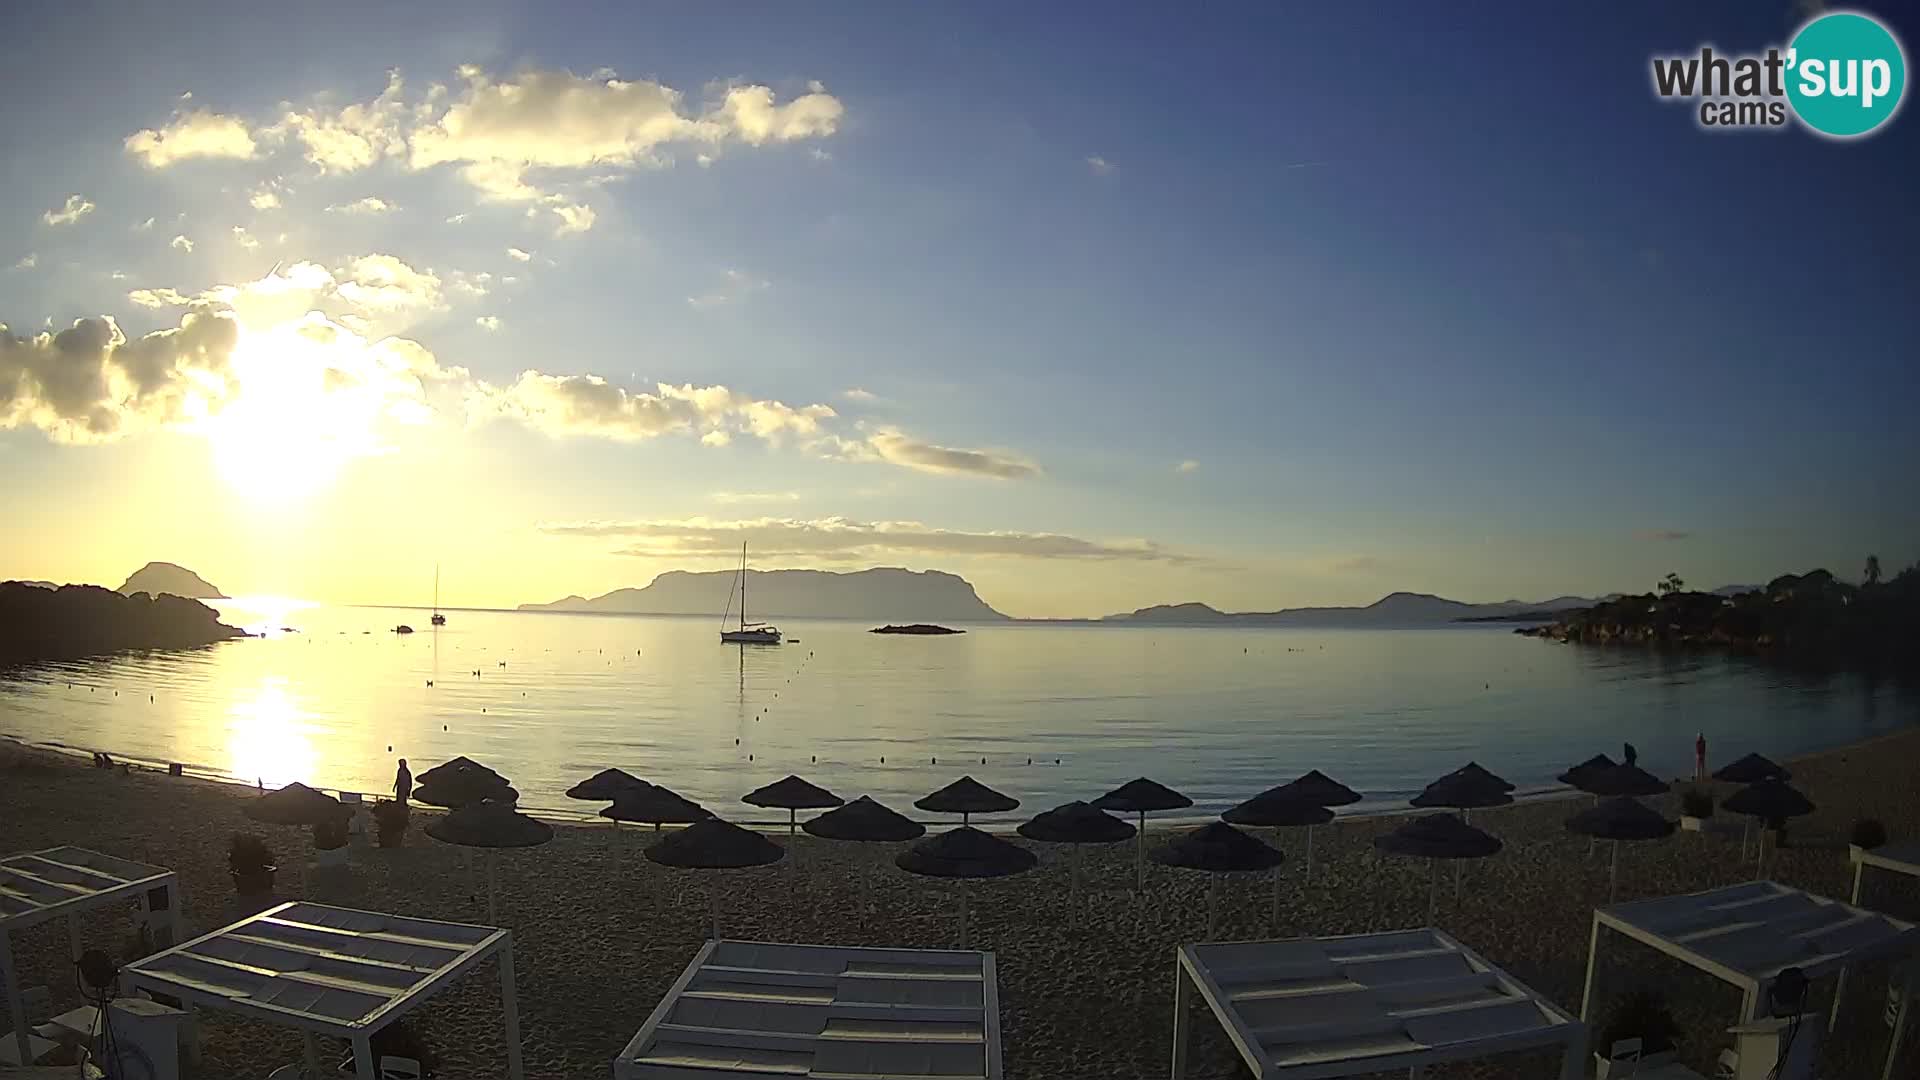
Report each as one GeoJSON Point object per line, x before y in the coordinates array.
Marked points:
{"type": "Point", "coordinates": [1045, 713]}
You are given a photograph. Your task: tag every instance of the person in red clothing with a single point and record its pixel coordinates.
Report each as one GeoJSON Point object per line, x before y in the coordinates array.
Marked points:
{"type": "Point", "coordinates": [1700, 757]}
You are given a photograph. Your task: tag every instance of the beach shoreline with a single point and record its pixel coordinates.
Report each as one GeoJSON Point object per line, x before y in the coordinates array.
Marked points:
{"type": "Point", "coordinates": [600, 932]}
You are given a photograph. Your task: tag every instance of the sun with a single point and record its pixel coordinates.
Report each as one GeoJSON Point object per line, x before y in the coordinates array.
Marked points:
{"type": "Point", "coordinates": [304, 399]}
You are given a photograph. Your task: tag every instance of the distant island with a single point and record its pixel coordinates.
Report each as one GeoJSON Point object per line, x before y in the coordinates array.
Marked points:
{"type": "Point", "coordinates": [86, 620]}
{"type": "Point", "coordinates": [1395, 609]}
{"type": "Point", "coordinates": [881, 594]}
{"type": "Point", "coordinates": [156, 578]}
{"type": "Point", "coordinates": [915, 628]}
{"type": "Point", "coordinates": [1811, 617]}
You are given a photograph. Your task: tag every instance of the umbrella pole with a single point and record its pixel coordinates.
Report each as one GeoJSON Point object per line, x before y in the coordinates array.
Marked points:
{"type": "Point", "coordinates": [792, 819]}
{"type": "Point", "coordinates": [1276, 899]}
{"type": "Point", "coordinates": [1592, 840]}
{"type": "Point", "coordinates": [1073, 879]}
{"type": "Point", "coordinates": [1309, 880]}
{"type": "Point", "coordinates": [713, 893]}
{"type": "Point", "coordinates": [492, 892]}
{"type": "Point", "coordinates": [963, 913]}
{"type": "Point", "coordinates": [1140, 854]}
{"type": "Point", "coordinates": [1613, 874]}
{"type": "Point", "coordinates": [1213, 905]}
{"type": "Point", "coordinates": [1433, 891]}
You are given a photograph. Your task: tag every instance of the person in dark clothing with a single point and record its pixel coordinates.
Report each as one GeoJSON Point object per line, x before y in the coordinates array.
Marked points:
{"type": "Point", "coordinates": [1627, 750]}
{"type": "Point", "coordinates": [402, 783]}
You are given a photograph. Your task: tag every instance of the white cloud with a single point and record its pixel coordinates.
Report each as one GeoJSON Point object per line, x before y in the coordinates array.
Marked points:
{"type": "Point", "coordinates": [89, 383]}
{"type": "Point", "coordinates": [241, 237]}
{"type": "Point", "coordinates": [386, 283]}
{"type": "Point", "coordinates": [1187, 466]}
{"type": "Point", "coordinates": [372, 204]}
{"type": "Point", "coordinates": [195, 134]}
{"type": "Point", "coordinates": [264, 200]}
{"type": "Point", "coordinates": [181, 243]}
{"type": "Point", "coordinates": [574, 218]}
{"type": "Point", "coordinates": [354, 137]}
{"type": "Point", "coordinates": [159, 298]}
{"type": "Point", "coordinates": [568, 405]}
{"type": "Point", "coordinates": [835, 539]}
{"type": "Point", "coordinates": [857, 394]}
{"type": "Point", "coordinates": [818, 154]}
{"type": "Point", "coordinates": [522, 256]}
{"type": "Point", "coordinates": [145, 226]}
{"type": "Point", "coordinates": [28, 261]}
{"type": "Point", "coordinates": [489, 323]}
{"type": "Point", "coordinates": [1100, 166]}
{"type": "Point", "coordinates": [734, 285]}
{"type": "Point", "coordinates": [75, 208]}
{"type": "Point", "coordinates": [896, 447]}
{"type": "Point", "coordinates": [455, 219]}
{"type": "Point", "coordinates": [756, 119]}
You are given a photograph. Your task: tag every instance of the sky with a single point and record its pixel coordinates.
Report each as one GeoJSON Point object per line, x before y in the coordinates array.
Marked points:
{"type": "Point", "coordinates": [1100, 306]}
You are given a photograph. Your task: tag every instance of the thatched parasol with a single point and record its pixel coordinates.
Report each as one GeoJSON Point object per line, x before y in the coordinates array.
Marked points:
{"type": "Point", "coordinates": [461, 782]}
{"type": "Point", "coordinates": [1278, 812]}
{"type": "Point", "coordinates": [1624, 780]}
{"type": "Point", "coordinates": [1751, 769]}
{"type": "Point", "coordinates": [1576, 777]}
{"type": "Point", "coordinates": [712, 844]}
{"type": "Point", "coordinates": [965, 853]}
{"type": "Point", "coordinates": [966, 797]}
{"type": "Point", "coordinates": [869, 822]}
{"type": "Point", "coordinates": [605, 786]}
{"type": "Point", "coordinates": [1141, 797]}
{"type": "Point", "coordinates": [1436, 837]}
{"type": "Point", "coordinates": [1619, 818]}
{"type": "Point", "coordinates": [1076, 823]}
{"type": "Point", "coordinates": [793, 795]}
{"type": "Point", "coordinates": [1316, 787]}
{"type": "Point", "coordinates": [1769, 801]}
{"type": "Point", "coordinates": [297, 804]}
{"type": "Point", "coordinates": [489, 825]}
{"type": "Point", "coordinates": [1219, 848]}
{"type": "Point", "coordinates": [656, 806]}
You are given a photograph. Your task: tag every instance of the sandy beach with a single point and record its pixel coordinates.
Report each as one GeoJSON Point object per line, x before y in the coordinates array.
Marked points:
{"type": "Point", "coordinates": [1086, 991]}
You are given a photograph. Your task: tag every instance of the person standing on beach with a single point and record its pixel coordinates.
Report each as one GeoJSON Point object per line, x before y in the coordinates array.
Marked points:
{"type": "Point", "coordinates": [1700, 757]}
{"type": "Point", "coordinates": [402, 783]}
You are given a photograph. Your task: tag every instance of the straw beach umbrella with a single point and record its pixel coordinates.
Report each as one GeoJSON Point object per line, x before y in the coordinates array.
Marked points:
{"type": "Point", "coordinates": [1619, 818]}
{"type": "Point", "coordinates": [490, 825]}
{"type": "Point", "coordinates": [656, 806]}
{"type": "Point", "coordinates": [1280, 812]}
{"type": "Point", "coordinates": [1581, 776]}
{"type": "Point", "coordinates": [964, 853]}
{"type": "Point", "coordinates": [1219, 848]}
{"type": "Point", "coordinates": [1467, 788]}
{"type": "Point", "coordinates": [297, 804]}
{"type": "Point", "coordinates": [712, 844]}
{"type": "Point", "coordinates": [1435, 837]}
{"type": "Point", "coordinates": [1076, 823]}
{"type": "Point", "coordinates": [604, 786]}
{"type": "Point", "coordinates": [793, 795]}
{"type": "Point", "coordinates": [967, 797]}
{"type": "Point", "coordinates": [1318, 788]}
{"type": "Point", "coordinates": [461, 782]}
{"type": "Point", "coordinates": [865, 821]}
{"type": "Point", "coordinates": [1141, 797]}
{"type": "Point", "coordinates": [1768, 800]}
{"type": "Point", "coordinates": [1751, 769]}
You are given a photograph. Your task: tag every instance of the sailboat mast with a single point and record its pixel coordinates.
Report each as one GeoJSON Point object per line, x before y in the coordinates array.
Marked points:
{"type": "Point", "coordinates": [436, 588]}
{"type": "Point", "coordinates": [743, 584]}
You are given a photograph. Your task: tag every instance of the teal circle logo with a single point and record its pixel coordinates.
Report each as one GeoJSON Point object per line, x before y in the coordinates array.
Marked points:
{"type": "Point", "coordinates": [1846, 74]}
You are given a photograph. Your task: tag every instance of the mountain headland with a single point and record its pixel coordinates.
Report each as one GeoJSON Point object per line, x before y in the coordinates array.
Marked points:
{"type": "Point", "coordinates": [884, 594]}
{"type": "Point", "coordinates": [156, 578]}
{"type": "Point", "coordinates": [85, 620]}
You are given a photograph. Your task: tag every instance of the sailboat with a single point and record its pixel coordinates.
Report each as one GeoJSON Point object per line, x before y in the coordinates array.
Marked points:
{"type": "Point", "coordinates": [747, 633]}
{"type": "Point", "coordinates": [438, 619]}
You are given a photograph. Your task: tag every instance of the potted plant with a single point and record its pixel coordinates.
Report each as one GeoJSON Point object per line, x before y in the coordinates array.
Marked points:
{"type": "Point", "coordinates": [250, 861]}
{"type": "Point", "coordinates": [1696, 806]}
{"type": "Point", "coordinates": [1867, 833]}
{"type": "Point", "coordinates": [1640, 1015]}
{"type": "Point", "coordinates": [330, 842]}
{"type": "Point", "coordinates": [390, 818]}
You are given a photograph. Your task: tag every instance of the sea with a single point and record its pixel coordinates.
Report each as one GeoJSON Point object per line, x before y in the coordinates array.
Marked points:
{"type": "Point", "coordinates": [1047, 713]}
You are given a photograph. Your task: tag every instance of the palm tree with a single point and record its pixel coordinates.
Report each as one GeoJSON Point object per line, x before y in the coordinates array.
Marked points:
{"type": "Point", "coordinates": [1872, 575]}
{"type": "Point", "coordinates": [1670, 584]}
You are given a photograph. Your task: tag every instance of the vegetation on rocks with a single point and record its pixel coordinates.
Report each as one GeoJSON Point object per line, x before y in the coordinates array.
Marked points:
{"type": "Point", "coordinates": [85, 620]}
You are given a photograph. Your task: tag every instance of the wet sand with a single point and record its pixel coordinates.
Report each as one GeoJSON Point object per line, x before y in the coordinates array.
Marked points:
{"type": "Point", "coordinates": [1086, 991]}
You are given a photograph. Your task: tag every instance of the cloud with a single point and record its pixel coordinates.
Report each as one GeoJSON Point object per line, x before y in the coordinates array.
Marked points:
{"type": "Point", "coordinates": [736, 497]}
{"type": "Point", "coordinates": [386, 283]}
{"type": "Point", "coordinates": [1662, 536]}
{"type": "Point", "coordinates": [573, 405]}
{"type": "Point", "coordinates": [855, 393]}
{"type": "Point", "coordinates": [28, 261]}
{"type": "Point", "coordinates": [90, 384]}
{"type": "Point", "coordinates": [1187, 466]}
{"type": "Point", "coordinates": [574, 218]}
{"type": "Point", "coordinates": [145, 226]}
{"type": "Point", "coordinates": [158, 298]}
{"type": "Point", "coordinates": [195, 134]}
{"type": "Point", "coordinates": [353, 137]}
{"type": "Point", "coordinates": [489, 323]}
{"type": "Point", "coordinates": [372, 204]}
{"type": "Point", "coordinates": [818, 154]}
{"type": "Point", "coordinates": [518, 255]}
{"type": "Point", "coordinates": [455, 219]}
{"type": "Point", "coordinates": [264, 200]}
{"type": "Point", "coordinates": [840, 539]}
{"type": "Point", "coordinates": [181, 243]}
{"type": "Point", "coordinates": [1312, 164]}
{"type": "Point", "coordinates": [1357, 564]}
{"type": "Point", "coordinates": [241, 237]}
{"type": "Point", "coordinates": [734, 285]}
{"type": "Point", "coordinates": [75, 208]}
{"type": "Point", "coordinates": [896, 447]}
{"type": "Point", "coordinates": [1100, 166]}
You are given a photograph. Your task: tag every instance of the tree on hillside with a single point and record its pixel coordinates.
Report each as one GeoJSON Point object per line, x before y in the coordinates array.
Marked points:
{"type": "Point", "coordinates": [1871, 576]}
{"type": "Point", "coordinates": [1670, 584]}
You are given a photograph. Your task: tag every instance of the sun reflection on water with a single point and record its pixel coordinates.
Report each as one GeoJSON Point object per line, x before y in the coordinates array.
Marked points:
{"type": "Point", "coordinates": [267, 736]}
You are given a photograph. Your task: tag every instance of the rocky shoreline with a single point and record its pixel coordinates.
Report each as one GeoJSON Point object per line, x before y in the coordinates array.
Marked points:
{"type": "Point", "coordinates": [76, 621]}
